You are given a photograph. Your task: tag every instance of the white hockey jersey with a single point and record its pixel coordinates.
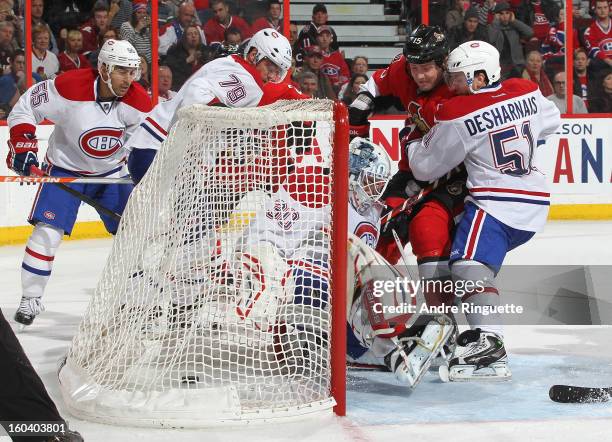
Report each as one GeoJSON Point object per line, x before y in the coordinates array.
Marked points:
{"type": "Point", "coordinates": [365, 225]}
{"type": "Point", "coordinates": [230, 81]}
{"type": "Point", "coordinates": [89, 135]}
{"type": "Point", "coordinates": [495, 133]}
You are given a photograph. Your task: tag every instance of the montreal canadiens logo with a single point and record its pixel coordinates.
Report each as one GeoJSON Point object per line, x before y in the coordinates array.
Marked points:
{"type": "Point", "coordinates": [368, 233]}
{"type": "Point", "coordinates": [49, 215]}
{"type": "Point", "coordinates": [101, 142]}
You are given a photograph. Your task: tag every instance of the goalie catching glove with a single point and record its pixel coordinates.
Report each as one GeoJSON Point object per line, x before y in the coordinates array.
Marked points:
{"type": "Point", "coordinates": [23, 147]}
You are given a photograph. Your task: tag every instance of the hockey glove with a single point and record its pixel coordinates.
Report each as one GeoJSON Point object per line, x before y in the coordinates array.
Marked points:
{"type": "Point", "coordinates": [396, 219]}
{"type": "Point", "coordinates": [23, 147]}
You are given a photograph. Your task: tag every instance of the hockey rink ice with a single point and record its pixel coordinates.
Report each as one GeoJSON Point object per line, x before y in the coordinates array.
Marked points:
{"type": "Point", "coordinates": [378, 408]}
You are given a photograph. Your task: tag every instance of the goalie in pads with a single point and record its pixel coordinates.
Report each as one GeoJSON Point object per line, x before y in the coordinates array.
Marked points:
{"type": "Point", "coordinates": [399, 339]}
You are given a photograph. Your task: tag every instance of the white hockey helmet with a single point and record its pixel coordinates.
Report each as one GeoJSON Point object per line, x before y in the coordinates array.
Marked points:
{"type": "Point", "coordinates": [369, 173]}
{"type": "Point", "coordinates": [118, 53]}
{"type": "Point", "coordinates": [474, 56]}
{"type": "Point", "coordinates": [274, 46]}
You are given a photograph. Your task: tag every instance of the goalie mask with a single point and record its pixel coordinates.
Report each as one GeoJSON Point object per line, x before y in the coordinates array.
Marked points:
{"type": "Point", "coordinates": [369, 173]}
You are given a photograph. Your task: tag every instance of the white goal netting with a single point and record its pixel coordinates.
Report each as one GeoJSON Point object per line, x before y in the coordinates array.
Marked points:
{"type": "Point", "coordinates": [215, 303]}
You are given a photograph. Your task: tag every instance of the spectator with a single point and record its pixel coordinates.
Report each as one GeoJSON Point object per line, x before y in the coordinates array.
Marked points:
{"type": "Point", "coordinates": [110, 34]}
{"type": "Point", "coordinates": [272, 20]}
{"type": "Point", "coordinates": [533, 71]}
{"type": "Point", "coordinates": [7, 14]}
{"type": "Point", "coordinates": [581, 76]}
{"type": "Point", "coordinates": [580, 16]}
{"type": "Point", "coordinates": [164, 84]}
{"type": "Point", "coordinates": [469, 30]}
{"type": "Point", "coordinates": [214, 29]}
{"type": "Point", "coordinates": [360, 65]}
{"type": "Point", "coordinates": [598, 36]}
{"type": "Point", "coordinates": [7, 46]}
{"type": "Point", "coordinates": [334, 65]}
{"type": "Point", "coordinates": [309, 84]}
{"type": "Point", "coordinates": [231, 42]}
{"type": "Point", "coordinates": [119, 12]}
{"type": "Point", "coordinates": [485, 9]}
{"type": "Point", "coordinates": [166, 11]}
{"type": "Point", "coordinates": [313, 59]}
{"type": "Point", "coordinates": [539, 15]}
{"type": "Point", "coordinates": [293, 34]}
{"type": "Point", "coordinates": [98, 24]}
{"type": "Point", "coordinates": [173, 31]}
{"type": "Point", "coordinates": [554, 45]}
{"type": "Point", "coordinates": [183, 58]}
{"type": "Point", "coordinates": [72, 58]}
{"type": "Point", "coordinates": [44, 62]}
{"type": "Point", "coordinates": [66, 14]}
{"type": "Point", "coordinates": [38, 7]}
{"type": "Point", "coordinates": [145, 78]}
{"type": "Point", "coordinates": [308, 35]}
{"type": "Point", "coordinates": [601, 99]}
{"type": "Point", "coordinates": [348, 94]}
{"type": "Point", "coordinates": [559, 96]}
{"type": "Point", "coordinates": [505, 33]}
{"type": "Point", "coordinates": [12, 84]}
{"type": "Point", "coordinates": [454, 17]}
{"type": "Point", "coordinates": [138, 30]}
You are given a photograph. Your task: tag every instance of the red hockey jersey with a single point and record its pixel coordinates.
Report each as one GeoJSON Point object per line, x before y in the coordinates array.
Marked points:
{"type": "Point", "coordinates": [335, 68]}
{"type": "Point", "coordinates": [598, 41]}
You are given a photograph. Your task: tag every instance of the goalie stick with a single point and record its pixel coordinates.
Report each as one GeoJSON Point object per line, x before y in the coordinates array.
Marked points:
{"type": "Point", "coordinates": [569, 394]}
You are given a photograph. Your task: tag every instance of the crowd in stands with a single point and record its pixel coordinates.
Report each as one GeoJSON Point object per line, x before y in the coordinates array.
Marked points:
{"type": "Point", "coordinates": [529, 34]}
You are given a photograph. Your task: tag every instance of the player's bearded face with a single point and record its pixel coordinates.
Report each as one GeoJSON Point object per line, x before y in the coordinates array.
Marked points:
{"type": "Point", "coordinates": [426, 75]}
{"type": "Point", "coordinates": [457, 83]}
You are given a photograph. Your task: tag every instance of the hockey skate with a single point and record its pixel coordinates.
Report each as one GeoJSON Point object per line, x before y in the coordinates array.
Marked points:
{"type": "Point", "coordinates": [28, 309]}
{"type": "Point", "coordinates": [484, 358]}
{"type": "Point", "coordinates": [417, 347]}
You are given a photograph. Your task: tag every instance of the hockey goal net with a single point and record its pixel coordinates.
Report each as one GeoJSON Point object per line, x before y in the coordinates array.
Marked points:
{"type": "Point", "coordinates": [223, 298]}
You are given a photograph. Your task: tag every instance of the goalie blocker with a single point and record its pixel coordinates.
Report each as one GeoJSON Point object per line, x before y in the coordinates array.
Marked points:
{"type": "Point", "coordinates": [385, 323]}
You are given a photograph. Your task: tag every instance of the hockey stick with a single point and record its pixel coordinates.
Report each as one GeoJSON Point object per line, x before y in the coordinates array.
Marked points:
{"type": "Point", "coordinates": [569, 394]}
{"type": "Point", "coordinates": [54, 180]}
{"type": "Point", "coordinates": [413, 200]}
{"type": "Point", "coordinates": [81, 196]}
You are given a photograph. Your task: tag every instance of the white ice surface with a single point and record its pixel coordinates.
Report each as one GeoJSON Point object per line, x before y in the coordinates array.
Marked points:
{"type": "Point", "coordinates": [378, 408]}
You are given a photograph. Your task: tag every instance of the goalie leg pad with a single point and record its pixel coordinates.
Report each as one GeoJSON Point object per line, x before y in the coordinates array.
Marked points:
{"type": "Point", "coordinates": [415, 352]}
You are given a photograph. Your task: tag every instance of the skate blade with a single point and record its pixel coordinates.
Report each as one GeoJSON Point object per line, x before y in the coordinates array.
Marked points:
{"type": "Point", "coordinates": [466, 373]}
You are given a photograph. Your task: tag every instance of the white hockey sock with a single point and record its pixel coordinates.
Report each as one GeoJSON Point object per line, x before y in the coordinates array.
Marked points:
{"type": "Point", "coordinates": [38, 259]}
{"type": "Point", "coordinates": [491, 322]}
{"type": "Point", "coordinates": [478, 295]}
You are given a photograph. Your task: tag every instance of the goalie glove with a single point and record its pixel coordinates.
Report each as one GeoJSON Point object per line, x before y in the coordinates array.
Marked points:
{"type": "Point", "coordinates": [359, 111]}
{"type": "Point", "coordinates": [23, 147]}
